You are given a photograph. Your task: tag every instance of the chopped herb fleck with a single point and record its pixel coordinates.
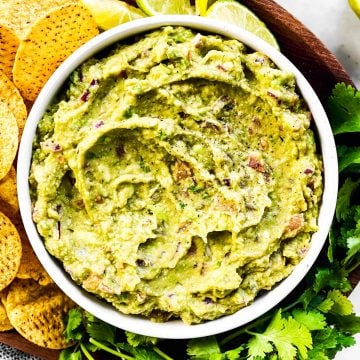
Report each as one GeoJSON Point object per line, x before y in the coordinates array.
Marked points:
{"type": "Point", "coordinates": [205, 195]}
{"type": "Point", "coordinates": [182, 204]}
{"type": "Point", "coordinates": [143, 165]}
{"type": "Point", "coordinates": [195, 188]}
{"type": "Point", "coordinates": [162, 135]}
{"type": "Point", "coordinates": [128, 113]}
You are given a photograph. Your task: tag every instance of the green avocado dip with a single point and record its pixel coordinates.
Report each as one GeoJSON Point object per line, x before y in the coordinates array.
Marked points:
{"type": "Point", "coordinates": [177, 176]}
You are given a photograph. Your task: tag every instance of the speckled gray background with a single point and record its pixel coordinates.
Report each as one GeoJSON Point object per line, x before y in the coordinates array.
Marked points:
{"type": "Point", "coordinates": [8, 353]}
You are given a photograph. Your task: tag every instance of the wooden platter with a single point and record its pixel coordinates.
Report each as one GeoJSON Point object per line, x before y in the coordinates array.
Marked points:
{"type": "Point", "coordinates": [312, 58]}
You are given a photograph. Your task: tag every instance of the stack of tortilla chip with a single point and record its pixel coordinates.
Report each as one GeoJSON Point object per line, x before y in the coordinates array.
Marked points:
{"type": "Point", "coordinates": [36, 36]}
{"type": "Point", "coordinates": [30, 301]}
{"type": "Point", "coordinates": [37, 312]}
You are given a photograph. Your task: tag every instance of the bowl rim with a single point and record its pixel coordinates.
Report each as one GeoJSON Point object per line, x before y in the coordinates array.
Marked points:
{"type": "Point", "coordinates": [176, 329]}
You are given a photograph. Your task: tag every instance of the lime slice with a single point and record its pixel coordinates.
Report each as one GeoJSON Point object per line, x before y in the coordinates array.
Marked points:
{"type": "Point", "coordinates": [109, 13]}
{"type": "Point", "coordinates": [161, 7]}
{"type": "Point", "coordinates": [232, 12]}
{"type": "Point", "coordinates": [201, 7]}
{"type": "Point", "coordinates": [355, 5]}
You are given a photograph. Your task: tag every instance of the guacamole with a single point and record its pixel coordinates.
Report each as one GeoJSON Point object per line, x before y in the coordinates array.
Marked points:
{"type": "Point", "coordinates": [177, 176]}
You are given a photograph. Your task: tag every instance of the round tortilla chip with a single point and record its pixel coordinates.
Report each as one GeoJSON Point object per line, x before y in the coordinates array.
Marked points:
{"type": "Point", "coordinates": [37, 312]}
{"type": "Point", "coordinates": [9, 133]}
{"type": "Point", "coordinates": [49, 42]}
{"type": "Point", "coordinates": [9, 43]}
{"type": "Point", "coordinates": [3, 295]}
{"type": "Point", "coordinates": [10, 95]}
{"type": "Point", "coordinates": [8, 193]}
{"type": "Point", "coordinates": [14, 217]}
{"type": "Point", "coordinates": [30, 266]}
{"type": "Point", "coordinates": [5, 323]}
{"type": "Point", "coordinates": [20, 15]}
{"type": "Point", "coordinates": [10, 250]}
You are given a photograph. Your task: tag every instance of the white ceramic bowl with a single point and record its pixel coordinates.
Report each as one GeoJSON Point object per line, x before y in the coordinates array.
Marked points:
{"type": "Point", "coordinates": [177, 329]}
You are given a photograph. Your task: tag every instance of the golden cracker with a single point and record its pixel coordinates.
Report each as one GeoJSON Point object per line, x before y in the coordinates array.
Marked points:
{"type": "Point", "coordinates": [10, 95]}
{"type": "Point", "coordinates": [10, 250]}
{"type": "Point", "coordinates": [49, 42]}
{"type": "Point", "coordinates": [9, 133]}
{"type": "Point", "coordinates": [9, 43]}
{"type": "Point", "coordinates": [37, 312]}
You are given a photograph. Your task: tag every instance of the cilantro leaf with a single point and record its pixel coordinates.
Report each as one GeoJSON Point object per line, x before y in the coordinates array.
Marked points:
{"type": "Point", "coordinates": [336, 303]}
{"type": "Point", "coordinates": [341, 304]}
{"type": "Point", "coordinates": [100, 330]}
{"type": "Point", "coordinates": [347, 323]}
{"type": "Point", "coordinates": [258, 347]}
{"type": "Point", "coordinates": [67, 354]}
{"type": "Point", "coordinates": [344, 109]}
{"type": "Point", "coordinates": [287, 335]}
{"type": "Point", "coordinates": [327, 338]}
{"type": "Point", "coordinates": [92, 347]}
{"type": "Point", "coordinates": [322, 278]}
{"type": "Point", "coordinates": [348, 238]}
{"type": "Point", "coordinates": [205, 348]}
{"type": "Point", "coordinates": [325, 306]}
{"type": "Point", "coordinates": [195, 188]}
{"type": "Point", "coordinates": [307, 297]}
{"type": "Point", "coordinates": [344, 198]}
{"type": "Point", "coordinates": [73, 330]}
{"type": "Point", "coordinates": [349, 158]}
{"type": "Point", "coordinates": [136, 339]}
{"type": "Point", "coordinates": [329, 341]}
{"type": "Point", "coordinates": [140, 352]}
{"type": "Point", "coordinates": [209, 349]}
{"type": "Point", "coordinates": [349, 229]}
{"type": "Point", "coordinates": [318, 354]}
{"type": "Point", "coordinates": [335, 278]}
{"type": "Point", "coordinates": [353, 244]}
{"type": "Point", "coordinates": [234, 353]}
{"type": "Point", "coordinates": [313, 319]}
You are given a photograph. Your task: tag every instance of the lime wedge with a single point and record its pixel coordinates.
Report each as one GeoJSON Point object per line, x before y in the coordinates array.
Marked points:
{"type": "Point", "coordinates": [161, 7]}
{"type": "Point", "coordinates": [201, 7]}
{"type": "Point", "coordinates": [109, 13]}
{"type": "Point", "coordinates": [355, 5]}
{"type": "Point", "coordinates": [231, 11]}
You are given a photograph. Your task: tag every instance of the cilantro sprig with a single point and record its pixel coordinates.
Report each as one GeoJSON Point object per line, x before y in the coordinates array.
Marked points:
{"type": "Point", "coordinates": [344, 114]}
{"type": "Point", "coordinates": [344, 109]}
{"type": "Point", "coordinates": [91, 334]}
{"type": "Point", "coordinates": [314, 323]}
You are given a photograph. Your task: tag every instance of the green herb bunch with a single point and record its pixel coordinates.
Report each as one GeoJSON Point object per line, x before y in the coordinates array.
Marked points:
{"type": "Point", "coordinates": [314, 322]}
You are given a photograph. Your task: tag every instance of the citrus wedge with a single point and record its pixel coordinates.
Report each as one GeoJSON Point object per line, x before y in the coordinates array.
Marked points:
{"type": "Point", "coordinates": [201, 7]}
{"type": "Point", "coordinates": [231, 11]}
{"type": "Point", "coordinates": [110, 13]}
{"type": "Point", "coordinates": [355, 5]}
{"type": "Point", "coordinates": [162, 7]}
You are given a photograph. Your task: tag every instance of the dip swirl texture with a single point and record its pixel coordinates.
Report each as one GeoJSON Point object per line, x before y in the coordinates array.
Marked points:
{"type": "Point", "coordinates": [177, 176]}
